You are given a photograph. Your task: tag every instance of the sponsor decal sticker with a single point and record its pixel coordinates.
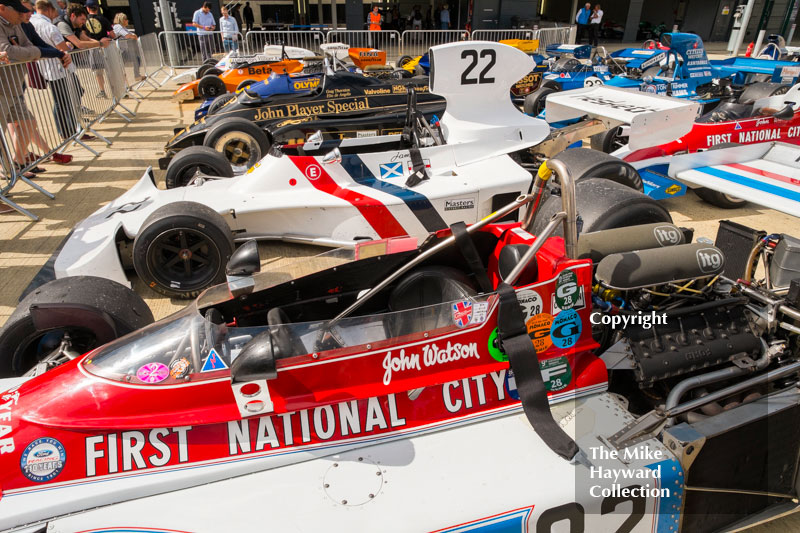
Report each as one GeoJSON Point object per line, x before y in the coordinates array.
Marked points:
{"type": "Point", "coordinates": [7, 401]}
{"type": "Point", "coordinates": [213, 362]}
{"type": "Point", "coordinates": [568, 294]}
{"type": "Point", "coordinates": [410, 165]}
{"type": "Point", "coordinates": [179, 368]}
{"type": "Point", "coordinates": [152, 373]}
{"type": "Point", "coordinates": [431, 355]}
{"type": "Point", "coordinates": [313, 172]}
{"type": "Point", "coordinates": [737, 126]}
{"type": "Point", "coordinates": [391, 170]}
{"type": "Point", "coordinates": [666, 235]}
{"type": "Point", "coordinates": [709, 259]}
{"type": "Point", "coordinates": [673, 189]}
{"type": "Point", "coordinates": [566, 329]}
{"type": "Point", "coordinates": [43, 460]}
{"type": "Point", "coordinates": [479, 312]}
{"type": "Point", "coordinates": [494, 348]}
{"type": "Point", "coordinates": [531, 302]}
{"type": "Point", "coordinates": [458, 204]}
{"type": "Point", "coordinates": [539, 331]}
{"type": "Point", "coordinates": [556, 373]}
{"type": "Point", "coordinates": [462, 313]}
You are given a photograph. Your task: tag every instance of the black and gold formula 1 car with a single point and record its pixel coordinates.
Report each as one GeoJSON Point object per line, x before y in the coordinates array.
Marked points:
{"type": "Point", "coordinates": [343, 105]}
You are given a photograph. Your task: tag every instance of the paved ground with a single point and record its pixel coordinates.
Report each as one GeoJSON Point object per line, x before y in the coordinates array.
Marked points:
{"type": "Point", "coordinates": [90, 182]}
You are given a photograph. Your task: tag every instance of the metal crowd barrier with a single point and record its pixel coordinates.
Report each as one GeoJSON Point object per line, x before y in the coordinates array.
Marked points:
{"type": "Point", "coordinates": [133, 66]}
{"type": "Point", "coordinates": [45, 107]}
{"type": "Point", "coordinates": [386, 40]}
{"type": "Point", "coordinates": [548, 36]}
{"type": "Point", "coordinates": [153, 60]}
{"type": "Point", "coordinates": [185, 49]}
{"type": "Point", "coordinates": [417, 42]}
{"type": "Point", "coordinates": [502, 35]}
{"type": "Point", "coordinates": [255, 41]}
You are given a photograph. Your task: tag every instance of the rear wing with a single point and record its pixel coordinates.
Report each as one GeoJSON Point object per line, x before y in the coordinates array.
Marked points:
{"type": "Point", "coordinates": [578, 51]}
{"type": "Point", "coordinates": [766, 174]}
{"type": "Point", "coordinates": [781, 71]}
{"type": "Point", "coordinates": [653, 119]}
{"type": "Point", "coordinates": [639, 57]}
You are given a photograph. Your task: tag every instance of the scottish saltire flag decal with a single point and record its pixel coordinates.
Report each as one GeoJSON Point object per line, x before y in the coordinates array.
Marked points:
{"type": "Point", "coordinates": [391, 170]}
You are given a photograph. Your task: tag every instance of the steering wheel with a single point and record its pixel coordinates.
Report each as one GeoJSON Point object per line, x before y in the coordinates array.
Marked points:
{"type": "Point", "coordinates": [282, 335]}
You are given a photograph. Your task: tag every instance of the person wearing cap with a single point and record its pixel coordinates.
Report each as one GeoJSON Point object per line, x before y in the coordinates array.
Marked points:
{"type": "Point", "coordinates": [203, 20]}
{"type": "Point", "coordinates": [98, 28]}
{"type": "Point", "coordinates": [60, 76]}
{"type": "Point", "coordinates": [18, 48]}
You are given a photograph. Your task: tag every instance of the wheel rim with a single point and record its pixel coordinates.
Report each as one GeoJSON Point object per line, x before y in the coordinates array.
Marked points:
{"type": "Point", "coordinates": [188, 173]}
{"type": "Point", "coordinates": [617, 139]}
{"type": "Point", "coordinates": [37, 346]}
{"type": "Point", "coordinates": [734, 199]}
{"type": "Point", "coordinates": [240, 149]}
{"type": "Point", "coordinates": [538, 107]}
{"type": "Point", "coordinates": [183, 259]}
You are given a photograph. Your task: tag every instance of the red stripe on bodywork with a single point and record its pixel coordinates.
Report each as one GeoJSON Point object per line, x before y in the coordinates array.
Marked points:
{"type": "Point", "coordinates": [765, 173]}
{"type": "Point", "coordinates": [377, 214]}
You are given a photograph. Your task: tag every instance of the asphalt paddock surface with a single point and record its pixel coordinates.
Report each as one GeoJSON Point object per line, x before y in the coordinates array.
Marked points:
{"type": "Point", "coordinates": [89, 182]}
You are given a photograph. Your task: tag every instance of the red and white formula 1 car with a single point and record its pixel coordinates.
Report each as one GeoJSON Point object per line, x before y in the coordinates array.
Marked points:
{"type": "Point", "coordinates": [765, 174]}
{"type": "Point", "coordinates": [473, 384]}
{"type": "Point", "coordinates": [337, 193]}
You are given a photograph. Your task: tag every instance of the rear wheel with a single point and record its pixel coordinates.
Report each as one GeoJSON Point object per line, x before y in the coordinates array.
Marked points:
{"type": "Point", "coordinates": [23, 345]}
{"type": "Point", "coordinates": [585, 163]}
{"type": "Point", "coordinates": [219, 101]}
{"type": "Point", "coordinates": [242, 142]}
{"type": "Point", "coordinates": [189, 161]}
{"type": "Point", "coordinates": [403, 61]}
{"type": "Point", "coordinates": [609, 141]}
{"type": "Point", "coordinates": [755, 91]}
{"type": "Point", "coordinates": [211, 86]}
{"type": "Point", "coordinates": [535, 102]}
{"type": "Point", "coordinates": [245, 83]}
{"type": "Point", "coordinates": [182, 248]}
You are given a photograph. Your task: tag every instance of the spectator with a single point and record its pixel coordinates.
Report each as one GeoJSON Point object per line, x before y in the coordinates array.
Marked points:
{"type": "Point", "coordinates": [594, 23]}
{"type": "Point", "coordinates": [230, 31]}
{"type": "Point", "coordinates": [248, 16]}
{"type": "Point", "coordinates": [582, 19]}
{"type": "Point", "coordinates": [35, 79]}
{"type": "Point", "coordinates": [203, 20]}
{"type": "Point", "coordinates": [15, 44]}
{"type": "Point", "coordinates": [237, 16]}
{"type": "Point", "coordinates": [98, 28]}
{"type": "Point", "coordinates": [444, 16]}
{"type": "Point", "coordinates": [71, 28]}
{"type": "Point", "coordinates": [60, 75]}
{"type": "Point", "coordinates": [62, 8]}
{"type": "Point", "coordinates": [130, 50]}
{"type": "Point", "coordinates": [398, 21]}
{"type": "Point", "coordinates": [416, 18]}
{"type": "Point", "coordinates": [374, 19]}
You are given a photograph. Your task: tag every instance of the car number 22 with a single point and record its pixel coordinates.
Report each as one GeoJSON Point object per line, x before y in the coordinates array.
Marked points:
{"type": "Point", "coordinates": [473, 57]}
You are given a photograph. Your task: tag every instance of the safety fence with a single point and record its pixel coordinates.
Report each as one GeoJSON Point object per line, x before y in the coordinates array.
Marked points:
{"type": "Point", "coordinates": [188, 49]}
{"type": "Point", "coordinates": [255, 41]}
{"type": "Point", "coordinates": [48, 105]}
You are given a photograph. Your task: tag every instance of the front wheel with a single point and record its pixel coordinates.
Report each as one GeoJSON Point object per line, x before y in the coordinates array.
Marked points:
{"type": "Point", "coordinates": [193, 160]}
{"type": "Point", "coordinates": [535, 102]}
{"type": "Point", "coordinates": [182, 248]}
{"type": "Point", "coordinates": [211, 86]}
{"type": "Point", "coordinates": [242, 142]}
{"type": "Point", "coordinates": [23, 345]}
{"type": "Point", "coordinates": [725, 201]}
{"type": "Point", "coordinates": [245, 84]}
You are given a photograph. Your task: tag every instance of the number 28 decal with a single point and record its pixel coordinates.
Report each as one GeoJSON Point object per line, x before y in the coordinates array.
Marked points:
{"type": "Point", "coordinates": [472, 56]}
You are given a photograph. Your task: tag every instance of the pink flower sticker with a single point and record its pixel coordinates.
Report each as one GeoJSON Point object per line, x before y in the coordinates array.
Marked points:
{"type": "Point", "coordinates": [152, 373]}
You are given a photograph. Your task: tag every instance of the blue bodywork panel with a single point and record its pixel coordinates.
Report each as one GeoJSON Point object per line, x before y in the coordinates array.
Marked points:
{"type": "Point", "coordinates": [659, 186]}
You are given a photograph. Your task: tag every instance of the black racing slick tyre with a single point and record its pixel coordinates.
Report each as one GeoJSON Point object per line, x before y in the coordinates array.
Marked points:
{"type": "Point", "coordinates": [716, 198]}
{"type": "Point", "coordinates": [585, 163]}
{"type": "Point", "coordinates": [182, 248]}
{"type": "Point", "coordinates": [219, 102]}
{"type": "Point", "coordinates": [242, 142]}
{"type": "Point", "coordinates": [755, 91]}
{"type": "Point", "coordinates": [604, 204]}
{"type": "Point", "coordinates": [534, 102]}
{"type": "Point", "coordinates": [22, 345]}
{"type": "Point", "coordinates": [245, 83]}
{"type": "Point", "coordinates": [609, 141]}
{"type": "Point", "coordinates": [211, 86]}
{"type": "Point", "coordinates": [403, 61]}
{"type": "Point", "coordinates": [552, 84]}
{"type": "Point", "coordinates": [189, 161]}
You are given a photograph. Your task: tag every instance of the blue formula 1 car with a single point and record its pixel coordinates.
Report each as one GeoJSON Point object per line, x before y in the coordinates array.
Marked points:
{"type": "Point", "coordinates": [274, 85]}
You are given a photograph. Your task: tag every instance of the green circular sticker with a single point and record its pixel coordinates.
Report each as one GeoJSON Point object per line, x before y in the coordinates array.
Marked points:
{"type": "Point", "coordinates": [567, 293]}
{"type": "Point", "coordinates": [556, 373]}
{"type": "Point", "coordinates": [494, 348]}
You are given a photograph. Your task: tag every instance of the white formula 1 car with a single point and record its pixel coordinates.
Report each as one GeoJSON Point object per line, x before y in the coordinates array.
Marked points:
{"type": "Point", "coordinates": [337, 193]}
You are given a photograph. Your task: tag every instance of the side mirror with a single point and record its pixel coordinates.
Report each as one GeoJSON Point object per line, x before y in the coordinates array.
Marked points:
{"type": "Point", "coordinates": [256, 361]}
{"type": "Point", "coordinates": [785, 114]}
{"type": "Point", "coordinates": [243, 263]}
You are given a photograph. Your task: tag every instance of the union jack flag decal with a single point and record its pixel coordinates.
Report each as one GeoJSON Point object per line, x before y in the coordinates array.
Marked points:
{"type": "Point", "coordinates": [462, 313]}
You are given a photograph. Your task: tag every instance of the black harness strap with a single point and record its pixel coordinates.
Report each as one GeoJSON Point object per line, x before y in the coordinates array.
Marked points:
{"type": "Point", "coordinates": [418, 172]}
{"type": "Point", "coordinates": [524, 363]}
{"type": "Point", "coordinates": [470, 253]}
